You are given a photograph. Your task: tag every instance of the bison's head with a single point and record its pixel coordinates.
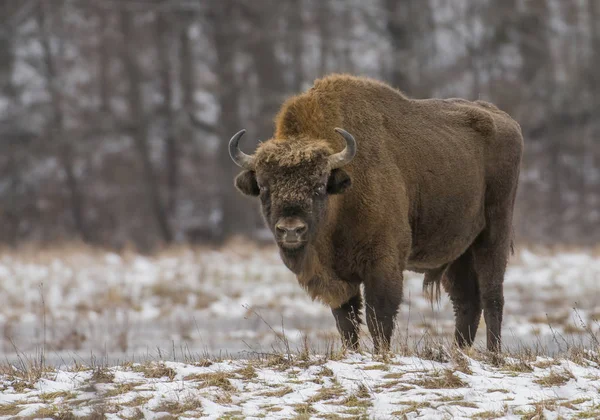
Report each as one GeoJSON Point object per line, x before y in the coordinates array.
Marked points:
{"type": "Point", "coordinates": [293, 179]}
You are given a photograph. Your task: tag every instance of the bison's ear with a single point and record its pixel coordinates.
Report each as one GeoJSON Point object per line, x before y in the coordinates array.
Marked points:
{"type": "Point", "coordinates": [338, 182]}
{"type": "Point", "coordinates": [246, 183]}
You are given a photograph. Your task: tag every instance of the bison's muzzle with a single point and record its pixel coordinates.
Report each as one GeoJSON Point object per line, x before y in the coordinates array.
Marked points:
{"type": "Point", "coordinates": [290, 232]}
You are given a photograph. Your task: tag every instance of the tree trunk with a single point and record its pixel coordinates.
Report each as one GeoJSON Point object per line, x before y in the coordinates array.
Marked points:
{"type": "Point", "coordinates": [400, 34]}
{"type": "Point", "coordinates": [296, 28]}
{"type": "Point", "coordinates": [56, 132]}
{"type": "Point", "coordinates": [186, 67]}
{"type": "Point", "coordinates": [268, 67]}
{"type": "Point", "coordinates": [104, 62]}
{"type": "Point", "coordinates": [165, 70]}
{"type": "Point", "coordinates": [324, 24]}
{"type": "Point", "coordinates": [134, 77]}
{"type": "Point", "coordinates": [237, 216]}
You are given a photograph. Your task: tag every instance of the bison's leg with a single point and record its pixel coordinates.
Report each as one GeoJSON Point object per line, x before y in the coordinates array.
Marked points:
{"type": "Point", "coordinates": [461, 284]}
{"type": "Point", "coordinates": [491, 251]}
{"type": "Point", "coordinates": [383, 295]}
{"type": "Point", "coordinates": [347, 318]}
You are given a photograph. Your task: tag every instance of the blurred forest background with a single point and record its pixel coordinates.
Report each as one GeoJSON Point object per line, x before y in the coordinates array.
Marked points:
{"type": "Point", "coordinates": [115, 114]}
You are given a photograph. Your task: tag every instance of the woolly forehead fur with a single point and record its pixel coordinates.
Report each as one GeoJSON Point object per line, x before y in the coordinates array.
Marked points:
{"type": "Point", "coordinates": [292, 167]}
{"type": "Point", "coordinates": [293, 152]}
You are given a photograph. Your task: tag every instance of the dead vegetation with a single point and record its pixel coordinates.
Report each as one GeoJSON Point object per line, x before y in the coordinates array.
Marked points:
{"type": "Point", "coordinates": [155, 370]}
{"type": "Point", "coordinates": [446, 379]}
{"type": "Point", "coordinates": [555, 378]}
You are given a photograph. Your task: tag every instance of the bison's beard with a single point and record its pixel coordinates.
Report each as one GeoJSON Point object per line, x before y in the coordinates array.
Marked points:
{"type": "Point", "coordinates": [294, 258]}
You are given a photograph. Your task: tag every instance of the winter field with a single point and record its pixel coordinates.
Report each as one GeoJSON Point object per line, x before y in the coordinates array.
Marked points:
{"type": "Point", "coordinates": [204, 333]}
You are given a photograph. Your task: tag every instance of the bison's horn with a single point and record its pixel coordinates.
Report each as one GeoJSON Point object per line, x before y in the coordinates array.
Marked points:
{"type": "Point", "coordinates": [240, 158]}
{"type": "Point", "coordinates": [337, 160]}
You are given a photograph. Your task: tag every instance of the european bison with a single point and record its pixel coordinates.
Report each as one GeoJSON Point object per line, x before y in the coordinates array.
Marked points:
{"type": "Point", "coordinates": [424, 185]}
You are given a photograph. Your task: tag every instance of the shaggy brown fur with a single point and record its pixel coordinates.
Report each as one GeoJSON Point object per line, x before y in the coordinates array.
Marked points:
{"type": "Point", "coordinates": [433, 187]}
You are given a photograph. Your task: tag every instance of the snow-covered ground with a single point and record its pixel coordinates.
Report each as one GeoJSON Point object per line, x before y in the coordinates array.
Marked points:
{"type": "Point", "coordinates": [83, 307]}
{"type": "Point", "coordinates": [355, 386]}
{"type": "Point", "coordinates": [78, 301]}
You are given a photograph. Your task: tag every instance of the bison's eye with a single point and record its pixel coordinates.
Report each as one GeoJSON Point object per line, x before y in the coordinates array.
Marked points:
{"type": "Point", "coordinates": [320, 190]}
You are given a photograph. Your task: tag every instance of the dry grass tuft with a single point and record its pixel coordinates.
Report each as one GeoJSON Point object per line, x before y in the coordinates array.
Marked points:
{"type": "Point", "coordinates": [155, 370]}
{"type": "Point", "coordinates": [177, 408]}
{"type": "Point", "coordinates": [327, 393]}
{"type": "Point", "coordinates": [325, 371]}
{"type": "Point", "coordinates": [394, 375]}
{"type": "Point", "coordinates": [278, 392]}
{"type": "Point", "coordinates": [412, 407]}
{"type": "Point", "coordinates": [383, 367]}
{"type": "Point", "coordinates": [102, 375]}
{"type": "Point", "coordinates": [218, 379]}
{"type": "Point", "coordinates": [521, 366]}
{"type": "Point", "coordinates": [136, 402]}
{"type": "Point", "coordinates": [460, 361]}
{"type": "Point", "coordinates": [122, 388]}
{"type": "Point", "coordinates": [51, 396]}
{"type": "Point", "coordinates": [203, 363]}
{"type": "Point", "coordinates": [488, 415]}
{"type": "Point", "coordinates": [360, 399]}
{"type": "Point", "coordinates": [504, 391]}
{"type": "Point", "coordinates": [545, 364]}
{"type": "Point", "coordinates": [11, 409]}
{"type": "Point", "coordinates": [573, 403]}
{"type": "Point", "coordinates": [447, 380]}
{"type": "Point", "coordinates": [303, 411]}
{"type": "Point", "coordinates": [247, 372]}
{"type": "Point", "coordinates": [555, 378]}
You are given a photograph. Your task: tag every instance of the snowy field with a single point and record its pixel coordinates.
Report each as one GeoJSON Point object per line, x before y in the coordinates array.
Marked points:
{"type": "Point", "coordinates": [229, 334]}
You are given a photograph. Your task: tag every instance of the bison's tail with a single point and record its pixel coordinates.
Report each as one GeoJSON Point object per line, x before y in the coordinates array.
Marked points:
{"type": "Point", "coordinates": [431, 284]}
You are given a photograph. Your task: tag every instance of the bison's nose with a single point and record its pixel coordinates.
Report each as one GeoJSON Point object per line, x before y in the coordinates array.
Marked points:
{"type": "Point", "coordinates": [290, 229]}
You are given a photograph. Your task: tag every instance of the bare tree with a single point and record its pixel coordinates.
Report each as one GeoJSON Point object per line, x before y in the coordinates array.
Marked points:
{"type": "Point", "coordinates": [295, 25]}
{"type": "Point", "coordinates": [222, 26]}
{"type": "Point", "coordinates": [164, 42]}
{"type": "Point", "coordinates": [56, 130]}
{"type": "Point", "coordinates": [140, 131]}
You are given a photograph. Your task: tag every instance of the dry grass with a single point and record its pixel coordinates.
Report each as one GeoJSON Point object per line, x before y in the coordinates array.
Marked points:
{"type": "Point", "coordinates": [544, 364]}
{"type": "Point", "coordinates": [572, 405]}
{"type": "Point", "coordinates": [488, 415]}
{"type": "Point", "coordinates": [411, 408]}
{"type": "Point", "coordinates": [303, 411]}
{"type": "Point", "coordinates": [394, 375]}
{"type": "Point", "coordinates": [465, 404]}
{"type": "Point", "coordinates": [521, 366]}
{"type": "Point", "coordinates": [11, 409]}
{"type": "Point", "coordinates": [217, 379]}
{"type": "Point", "coordinates": [327, 393]}
{"type": "Point", "coordinates": [555, 378]}
{"type": "Point", "coordinates": [247, 372]}
{"type": "Point", "coordinates": [446, 380]}
{"type": "Point", "coordinates": [278, 393]}
{"type": "Point", "coordinates": [155, 370]}
{"type": "Point", "coordinates": [325, 371]}
{"type": "Point", "coordinates": [177, 408]}
{"type": "Point", "coordinates": [377, 367]}
{"type": "Point", "coordinates": [102, 375]}
{"type": "Point", "coordinates": [360, 399]}
{"type": "Point", "coordinates": [137, 401]}
{"type": "Point", "coordinates": [504, 391]}
{"type": "Point", "coordinates": [122, 388]}
{"type": "Point", "coordinates": [51, 396]}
